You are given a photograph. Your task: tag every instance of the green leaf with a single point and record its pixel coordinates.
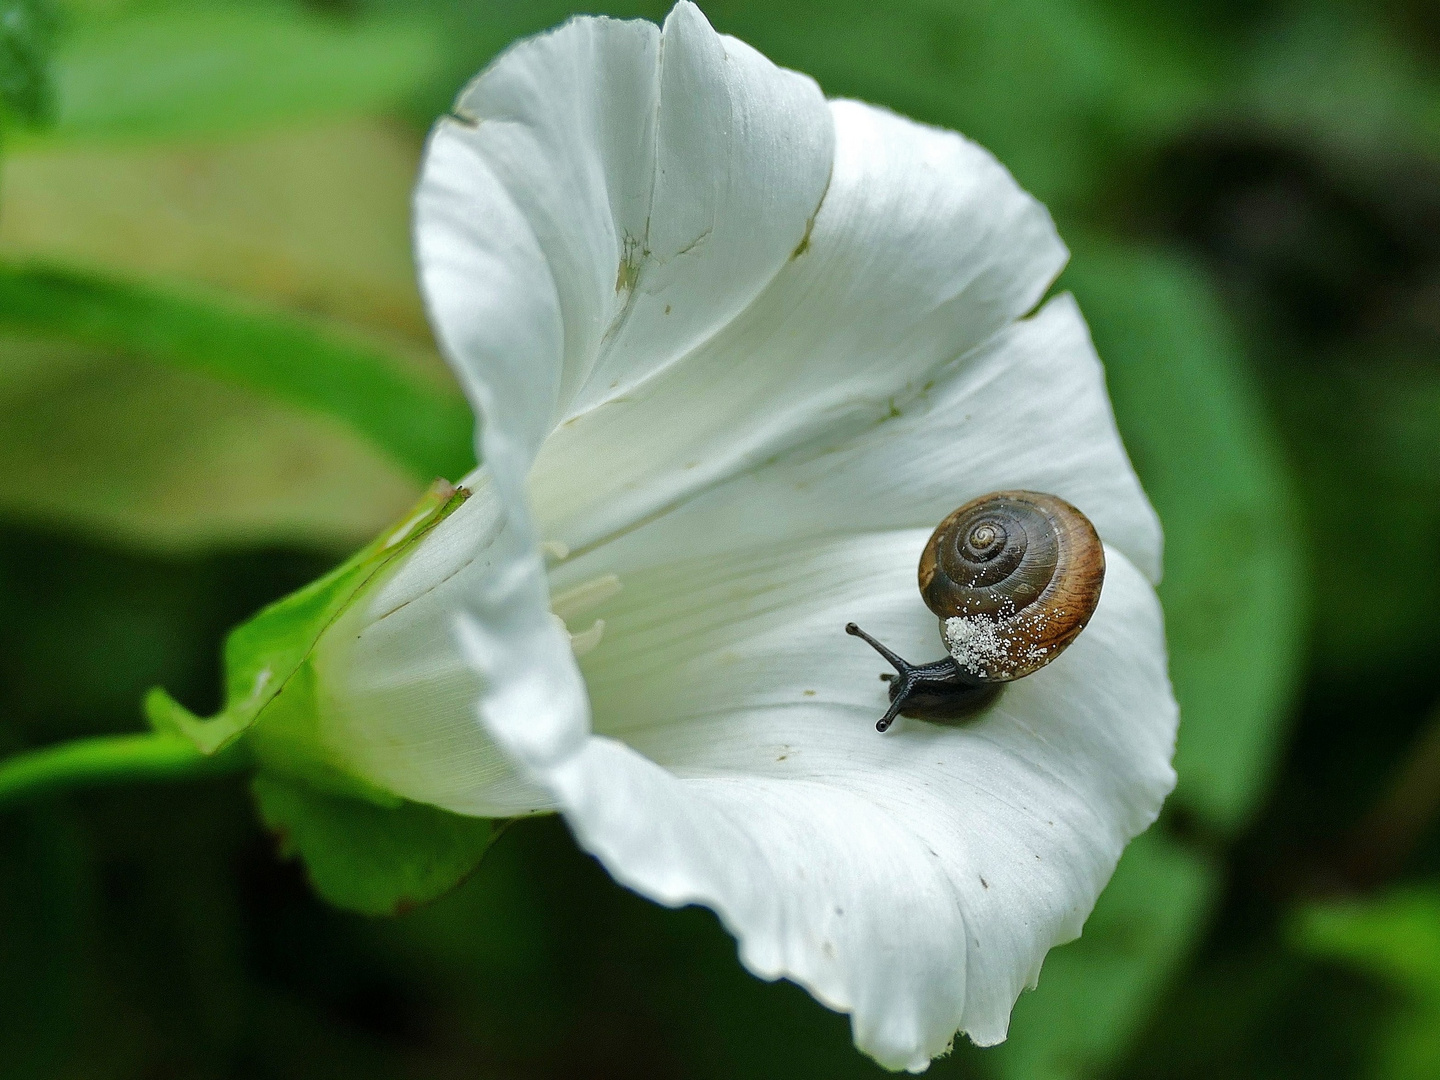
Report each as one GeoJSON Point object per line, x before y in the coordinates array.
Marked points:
{"type": "Point", "coordinates": [27, 35]}
{"type": "Point", "coordinates": [166, 460]}
{"type": "Point", "coordinates": [1094, 994]}
{"type": "Point", "coordinates": [267, 659]}
{"type": "Point", "coordinates": [1339, 73]}
{"type": "Point", "coordinates": [1396, 939]}
{"type": "Point", "coordinates": [1233, 592]}
{"type": "Point", "coordinates": [295, 361]}
{"type": "Point", "coordinates": [1363, 428]}
{"type": "Point", "coordinates": [313, 219]}
{"type": "Point", "coordinates": [371, 859]}
{"type": "Point", "coordinates": [198, 68]}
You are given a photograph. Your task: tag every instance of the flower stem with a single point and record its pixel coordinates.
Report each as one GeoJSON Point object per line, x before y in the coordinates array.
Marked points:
{"type": "Point", "coordinates": [108, 759]}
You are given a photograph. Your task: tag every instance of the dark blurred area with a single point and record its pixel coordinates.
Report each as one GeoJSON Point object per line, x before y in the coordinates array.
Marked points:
{"type": "Point", "coordinates": [1252, 197]}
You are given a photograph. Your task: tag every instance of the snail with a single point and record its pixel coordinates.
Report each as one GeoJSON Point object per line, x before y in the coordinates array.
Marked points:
{"type": "Point", "coordinates": [1014, 576]}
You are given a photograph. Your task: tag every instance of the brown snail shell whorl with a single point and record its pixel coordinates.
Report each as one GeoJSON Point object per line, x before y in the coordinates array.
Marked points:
{"type": "Point", "coordinates": [1014, 577]}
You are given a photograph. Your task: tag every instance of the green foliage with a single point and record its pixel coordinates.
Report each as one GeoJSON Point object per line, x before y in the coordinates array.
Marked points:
{"type": "Point", "coordinates": [27, 36]}
{"type": "Point", "coordinates": [1233, 590]}
{"type": "Point", "coordinates": [44, 888]}
{"type": "Point", "coordinates": [370, 859]}
{"type": "Point", "coordinates": [1055, 88]}
{"type": "Point", "coordinates": [267, 659]}
{"type": "Point", "coordinates": [160, 458]}
{"type": "Point", "coordinates": [290, 359]}
{"type": "Point", "coordinates": [1345, 77]}
{"type": "Point", "coordinates": [1395, 938]}
{"type": "Point", "coordinates": [146, 70]}
{"type": "Point", "coordinates": [1365, 437]}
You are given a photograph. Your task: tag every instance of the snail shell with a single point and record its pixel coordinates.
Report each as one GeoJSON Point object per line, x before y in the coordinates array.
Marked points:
{"type": "Point", "coordinates": [1014, 576]}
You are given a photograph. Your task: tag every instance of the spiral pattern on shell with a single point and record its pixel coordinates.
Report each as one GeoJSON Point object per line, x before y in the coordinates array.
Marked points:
{"type": "Point", "coordinates": [1014, 577]}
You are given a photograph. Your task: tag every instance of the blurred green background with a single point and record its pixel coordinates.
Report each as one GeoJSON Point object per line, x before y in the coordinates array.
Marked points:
{"type": "Point", "coordinates": [197, 197]}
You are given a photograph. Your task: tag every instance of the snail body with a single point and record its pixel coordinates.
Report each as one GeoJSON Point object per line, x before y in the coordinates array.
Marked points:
{"type": "Point", "coordinates": [1013, 577]}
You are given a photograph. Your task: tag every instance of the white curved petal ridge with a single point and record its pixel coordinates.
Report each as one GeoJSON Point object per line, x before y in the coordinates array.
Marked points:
{"type": "Point", "coordinates": [734, 350]}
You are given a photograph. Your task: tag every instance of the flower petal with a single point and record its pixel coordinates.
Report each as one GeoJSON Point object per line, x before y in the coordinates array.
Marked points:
{"type": "Point", "coordinates": [742, 157]}
{"type": "Point", "coordinates": [492, 301]}
{"type": "Point", "coordinates": [794, 871]}
{"type": "Point", "coordinates": [644, 187]}
{"type": "Point", "coordinates": [875, 870]}
{"type": "Point", "coordinates": [497, 314]}
{"type": "Point", "coordinates": [923, 248]}
{"type": "Point", "coordinates": [607, 196]}
{"type": "Point", "coordinates": [1028, 409]}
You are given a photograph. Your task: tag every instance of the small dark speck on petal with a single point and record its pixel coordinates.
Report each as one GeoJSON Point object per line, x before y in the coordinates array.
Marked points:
{"type": "Point", "coordinates": [933, 852]}
{"type": "Point", "coordinates": [782, 757]}
{"type": "Point", "coordinates": [984, 883]}
{"type": "Point", "coordinates": [809, 693]}
{"type": "Point", "coordinates": [839, 911]}
{"type": "Point", "coordinates": [667, 309]}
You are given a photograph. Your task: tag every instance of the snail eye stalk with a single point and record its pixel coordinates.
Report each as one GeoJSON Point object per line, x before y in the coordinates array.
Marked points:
{"type": "Point", "coordinates": [938, 691]}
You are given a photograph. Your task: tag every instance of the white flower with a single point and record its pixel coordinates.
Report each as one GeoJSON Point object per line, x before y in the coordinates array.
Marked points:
{"type": "Point", "coordinates": [736, 351]}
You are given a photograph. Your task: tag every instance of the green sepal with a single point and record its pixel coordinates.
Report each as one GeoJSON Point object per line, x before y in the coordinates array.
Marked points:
{"type": "Point", "coordinates": [365, 849]}
{"type": "Point", "coordinates": [366, 858]}
{"type": "Point", "coordinates": [267, 660]}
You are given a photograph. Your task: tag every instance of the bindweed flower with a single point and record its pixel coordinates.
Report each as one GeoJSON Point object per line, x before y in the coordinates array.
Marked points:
{"type": "Point", "coordinates": [735, 350]}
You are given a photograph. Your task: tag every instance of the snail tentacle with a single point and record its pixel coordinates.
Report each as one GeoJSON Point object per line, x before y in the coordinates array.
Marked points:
{"type": "Point", "coordinates": [942, 690]}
